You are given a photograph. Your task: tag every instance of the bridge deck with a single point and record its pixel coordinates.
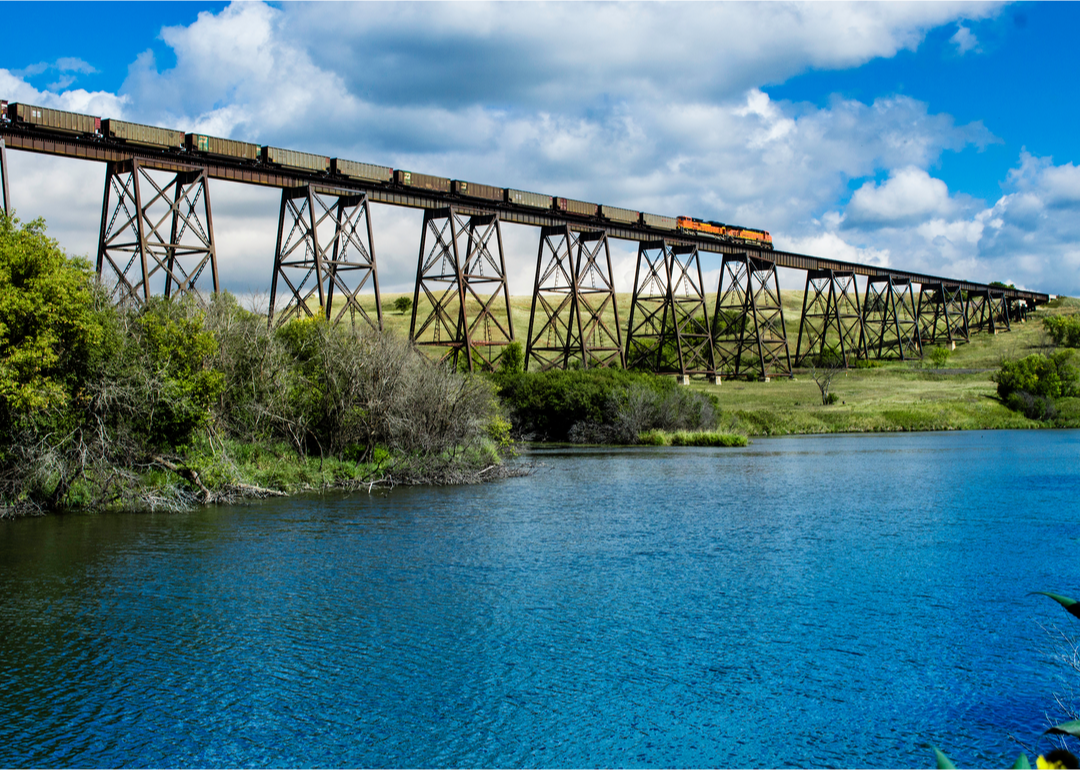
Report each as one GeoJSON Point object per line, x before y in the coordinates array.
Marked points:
{"type": "Point", "coordinates": [104, 150]}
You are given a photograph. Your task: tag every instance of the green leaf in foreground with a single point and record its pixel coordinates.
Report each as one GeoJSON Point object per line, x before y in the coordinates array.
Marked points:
{"type": "Point", "coordinates": [1066, 728]}
{"type": "Point", "coordinates": [1071, 605]}
{"type": "Point", "coordinates": [943, 762]}
{"type": "Point", "coordinates": [1022, 763]}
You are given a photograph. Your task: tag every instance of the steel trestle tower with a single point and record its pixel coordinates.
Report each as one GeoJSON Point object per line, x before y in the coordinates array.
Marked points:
{"type": "Point", "coordinates": [466, 295]}
{"type": "Point", "coordinates": [155, 232]}
{"type": "Point", "coordinates": [325, 252]}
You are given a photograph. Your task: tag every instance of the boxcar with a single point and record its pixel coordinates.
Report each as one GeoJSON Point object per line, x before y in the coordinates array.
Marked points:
{"type": "Point", "coordinates": [302, 161]}
{"type": "Point", "coordinates": [59, 120]}
{"type": "Point", "coordinates": [616, 214]}
{"type": "Point", "coordinates": [356, 170]}
{"type": "Point", "coordinates": [571, 206]}
{"type": "Point", "coordinates": [474, 190]}
{"type": "Point", "coordinates": [136, 133]}
{"type": "Point", "coordinates": [522, 198]}
{"type": "Point", "coordinates": [658, 221]}
{"type": "Point", "coordinates": [422, 181]}
{"type": "Point", "coordinates": [226, 148]}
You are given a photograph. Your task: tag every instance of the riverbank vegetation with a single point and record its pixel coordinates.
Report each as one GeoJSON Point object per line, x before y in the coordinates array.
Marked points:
{"type": "Point", "coordinates": [600, 406]}
{"type": "Point", "coordinates": [175, 402]}
{"type": "Point", "coordinates": [944, 389]}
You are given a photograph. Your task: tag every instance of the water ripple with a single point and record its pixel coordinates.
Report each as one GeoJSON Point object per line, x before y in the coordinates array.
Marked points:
{"type": "Point", "coordinates": [805, 602]}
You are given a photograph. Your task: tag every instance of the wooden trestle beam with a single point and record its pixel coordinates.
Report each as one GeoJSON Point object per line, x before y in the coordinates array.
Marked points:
{"type": "Point", "coordinates": [324, 248]}
{"type": "Point", "coordinates": [465, 296]}
{"type": "Point", "coordinates": [748, 321]}
{"type": "Point", "coordinates": [158, 233]}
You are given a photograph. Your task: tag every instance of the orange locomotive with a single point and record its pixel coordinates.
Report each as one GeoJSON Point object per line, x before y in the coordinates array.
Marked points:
{"type": "Point", "coordinates": [726, 232]}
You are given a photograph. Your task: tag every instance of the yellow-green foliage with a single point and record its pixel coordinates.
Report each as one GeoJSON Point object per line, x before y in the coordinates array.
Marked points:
{"type": "Point", "coordinates": [174, 362]}
{"type": "Point", "coordinates": [49, 329]}
{"type": "Point", "coordinates": [691, 438]}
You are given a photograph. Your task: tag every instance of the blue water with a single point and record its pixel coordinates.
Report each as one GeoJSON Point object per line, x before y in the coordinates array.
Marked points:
{"type": "Point", "coordinates": [803, 602]}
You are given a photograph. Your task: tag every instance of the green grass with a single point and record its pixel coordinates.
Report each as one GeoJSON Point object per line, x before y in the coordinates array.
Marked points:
{"type": "Point", "coordinates": [691, 438]}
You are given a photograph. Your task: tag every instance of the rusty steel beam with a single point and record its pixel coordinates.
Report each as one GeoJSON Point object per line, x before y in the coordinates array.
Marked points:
{"type": "Point", "coordinates": [834, 308]}
{"type": "Point", "coordinates": [649, 332]}
{"type": "Point", "coordinates": [133, 249]}
{"type": "Point", "coordinates": [600, 344]}
{"type": "Point", "coordinates": [890, 318]}
{"type": "Point", "coordinates": [465, 289]}
{"type": "Point", "coordinates": [748, 320]}
{"type": "Point", "coordinates": [324, 236]}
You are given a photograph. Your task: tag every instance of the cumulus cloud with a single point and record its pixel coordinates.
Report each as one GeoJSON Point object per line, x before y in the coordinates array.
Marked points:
{"type": "Point", "coordinates": [910, 195]}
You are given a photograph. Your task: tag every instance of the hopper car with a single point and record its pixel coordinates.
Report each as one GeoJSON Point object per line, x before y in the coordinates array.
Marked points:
{"type": "Point", "coordinates": [224, 148]}
{"type": "Point", "coordinates": [369, 172]}
{"type": "Point", "coordinates": [57, 120]}
{"type": "Point", "coordinates": [422, 181]}
{"type": "Point", "coordinates": [33, 117]}
{"type": "Point", "coordinates": [532, 200]}
{"type": "Point", "coordinates": [145, 136]}
{"type": "Point", "coordinates": [301, 161]}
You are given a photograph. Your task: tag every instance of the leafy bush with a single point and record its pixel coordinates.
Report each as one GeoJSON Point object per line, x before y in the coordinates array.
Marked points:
{"type": "Point", "coordinates": [170, 366]}
{"type": "Point", "coordinates": [1050, 376]}
{"type": "Point", "coordinates": [939, 356]}
{"type": "Point", "coordinates": [403, 305]}
{"type": "Point", "coordinates": [1032, 407]}
{"type": "Point", "coordinates": [1064, 330]}
{"type": "Point", "coordinates": [600, 405]}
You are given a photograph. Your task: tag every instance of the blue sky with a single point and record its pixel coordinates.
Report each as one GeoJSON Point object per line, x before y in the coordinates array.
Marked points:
{"type": "Point", "coordinates": [926, 136]}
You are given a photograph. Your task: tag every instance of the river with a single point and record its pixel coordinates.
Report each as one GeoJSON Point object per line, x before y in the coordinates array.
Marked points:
{"type": "Point", "coordinates": [810, 601]}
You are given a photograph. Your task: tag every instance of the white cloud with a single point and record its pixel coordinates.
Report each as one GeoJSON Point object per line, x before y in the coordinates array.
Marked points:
{"type": "Point", "coordinates": [965, 41]}
{"type": "Point", "coordinates": [910, 195]}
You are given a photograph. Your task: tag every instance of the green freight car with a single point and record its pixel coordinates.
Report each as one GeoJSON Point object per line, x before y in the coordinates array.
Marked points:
{"type": "Point", "coordinates": [422, 181]}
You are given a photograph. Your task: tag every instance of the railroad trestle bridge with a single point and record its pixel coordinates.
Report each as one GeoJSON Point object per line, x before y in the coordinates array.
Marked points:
{"type": "Point", "coordinates": [157, 236]}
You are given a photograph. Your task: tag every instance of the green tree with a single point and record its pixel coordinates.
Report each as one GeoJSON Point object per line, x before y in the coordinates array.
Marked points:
{"type": "Point", "coordinates": [50, 327]}
{"type": "Point", "coordinates": [403, 305]}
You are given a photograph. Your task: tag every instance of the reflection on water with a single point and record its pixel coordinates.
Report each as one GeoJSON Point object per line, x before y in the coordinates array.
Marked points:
{"type": "Point", "coordinates": [811, 601]}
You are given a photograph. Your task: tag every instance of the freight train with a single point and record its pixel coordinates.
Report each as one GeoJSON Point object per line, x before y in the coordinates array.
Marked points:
{"type": "Point", "coordinates": [169, 140]}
